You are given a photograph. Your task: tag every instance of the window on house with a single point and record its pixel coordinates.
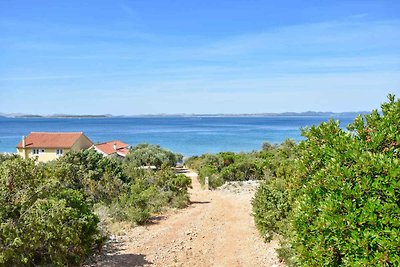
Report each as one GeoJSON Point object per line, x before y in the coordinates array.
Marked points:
{"type": "Point", "coordinates": [59, 152]}
{"type": "Point", "coordinates": [35, 151]}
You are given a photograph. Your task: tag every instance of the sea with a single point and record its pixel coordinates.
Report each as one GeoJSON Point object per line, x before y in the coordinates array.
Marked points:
{"type": "Point", "coordinates": [188, 135]}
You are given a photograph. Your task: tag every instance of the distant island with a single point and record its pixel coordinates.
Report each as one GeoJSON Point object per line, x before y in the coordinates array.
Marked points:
{"type": "Point", "coordinates": [283, 114]}
{"type": "Point", "coordinates": [20, 115]}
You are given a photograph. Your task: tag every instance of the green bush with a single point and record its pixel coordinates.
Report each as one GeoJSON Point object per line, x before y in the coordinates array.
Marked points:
{"type": "Point", "coordinates": [335, 197]}
{"type": "Point", "coordinates": [273, 200]}
{"type": "Point", "coordinates": [208, 171]}
{"type": "Point", "coordinates": [193, 162]}
{"type": "Point", "coordinates": [243, 169]}
{"type": "Point", "coordinates": [4, 157]}
{"type": "Point", "coordinates": [134, 206]}
{"type": "Point", "coordinates": [100, 178]}
{"type": "Point", "coordinates": [227, 166]}
{"type": "Point", "coordinates": [271, 208]}
{"type": "Point", "coordinates": [150, 192]}
{"type": "Point", "coordinates": [41, 222]}
{"type": "Point", "coordinates": [215, 180]}
{"type": "Point", "coordinates": [46, 210]}
{"type": "Point", "coordinates": [152, 155]}
{"type": "Point", "coordinates": [348, 212]}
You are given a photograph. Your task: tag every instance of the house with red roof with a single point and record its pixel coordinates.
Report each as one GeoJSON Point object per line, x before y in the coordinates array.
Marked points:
{"type": "Point", "coordinates": [47, 146]}
{"type": "Point", "coordinates": [115, 148]}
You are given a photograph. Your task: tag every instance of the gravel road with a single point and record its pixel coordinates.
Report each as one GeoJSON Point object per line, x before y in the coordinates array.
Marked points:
{"type": "Point", "coordinates": [217, 229]}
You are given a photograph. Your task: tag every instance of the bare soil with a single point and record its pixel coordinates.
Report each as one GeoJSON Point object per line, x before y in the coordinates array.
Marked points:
{"type": "Point", "coordinates": [217, 229]}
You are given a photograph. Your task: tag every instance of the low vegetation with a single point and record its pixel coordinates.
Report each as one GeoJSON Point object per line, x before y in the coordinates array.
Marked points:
{"type": "Point", "coordinates": [42, 222]}
{"type": "Point", "coordinates": [47, 211]}
{"type": "Point", "coordinates": [335, 201]}
{"type": "Point", "coordinates": [228, 166]}
{"type": "Point", "coordinates": [149, 192]}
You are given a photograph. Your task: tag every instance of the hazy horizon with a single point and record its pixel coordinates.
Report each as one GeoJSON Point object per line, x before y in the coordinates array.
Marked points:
{"type": "Point", "coordinates": [185, 114]}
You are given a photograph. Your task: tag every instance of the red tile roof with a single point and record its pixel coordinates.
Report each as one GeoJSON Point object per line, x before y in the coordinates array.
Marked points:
{"type": "Point", "coordinates": [51, 140]}
{"type": "Point", "coordinates": [108, 147]}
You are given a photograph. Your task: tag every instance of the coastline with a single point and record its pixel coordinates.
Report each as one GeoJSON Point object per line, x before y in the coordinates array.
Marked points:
{"type": "Point", "coordinates": [183, 115]}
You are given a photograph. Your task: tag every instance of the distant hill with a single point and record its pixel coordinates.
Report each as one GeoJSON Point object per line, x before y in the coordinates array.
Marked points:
{"type": "Point", "coordinates": [78, 116]}
{"type": "Point", "coordinates": [284, 114]}
{"type": "Point", "coordinates": [287, 114]}
{"type": "Point", "coordinates": [22, 115]}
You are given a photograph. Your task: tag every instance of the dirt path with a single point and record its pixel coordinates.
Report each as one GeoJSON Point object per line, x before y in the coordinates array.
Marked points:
{"type": "Point", "coordinates": [217, 229]}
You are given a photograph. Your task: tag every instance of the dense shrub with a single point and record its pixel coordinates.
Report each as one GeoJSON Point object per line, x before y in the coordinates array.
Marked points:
{"type": "Point", "coordinates": [41, 222]}
{"type": "Point", "coordinates": [335, 198]}
{"type": "Point", "coordinates": [5, 156]}
{"type": "Point", "coordinates": [272, 201]}
{"type": "Point", "coordinates": [348, 212]}
{"type": "Point", "coordinates": [244, 168]}
{"type": "Point", "coordinates": [100, 178]}
{"type": "Point", "coordinates": [152, 155]}
{"type": "Point", "coordinates": [134, 206]}
{"type": "Point", "coordinates": [271, 208]}
{"type": "Point", "coordinates": [227, 166]}
{"type": "Point", "coordinates": [128, 191]}
{"type": "Point", "coordinates": [266, 146]}
{"type": "Point", "coordinates": [91, 164]}
{"type": "Point", "coordinates": [194, 162]}
{"type": "Point", "coordinates": [46, 210]}
{"type": "Point", "coordinates": [213, 176]}
{"type": "Point", "coordinates": [149, 192]}
{"type": "Point", "coordinates": [277, 159]}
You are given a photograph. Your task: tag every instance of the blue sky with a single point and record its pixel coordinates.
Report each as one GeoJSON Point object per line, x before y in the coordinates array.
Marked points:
{"type": "Point", "coordinates": [150, 57]}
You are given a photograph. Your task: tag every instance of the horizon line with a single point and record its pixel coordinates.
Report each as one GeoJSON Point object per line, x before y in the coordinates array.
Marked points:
{"type": "Point", "coordinates": [286, 113]}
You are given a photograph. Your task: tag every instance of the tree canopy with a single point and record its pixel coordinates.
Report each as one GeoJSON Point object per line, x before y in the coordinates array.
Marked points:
{"type": "Point", "coordinates": [152, 155]}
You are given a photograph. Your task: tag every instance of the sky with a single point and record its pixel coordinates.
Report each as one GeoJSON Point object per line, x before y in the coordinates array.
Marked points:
{"type": "Point", "coordinates": [125, 57]}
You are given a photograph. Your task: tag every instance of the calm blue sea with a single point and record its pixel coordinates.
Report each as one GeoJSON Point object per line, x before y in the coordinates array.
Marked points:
{"type": "Point", "coordinates": [186, 135]}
